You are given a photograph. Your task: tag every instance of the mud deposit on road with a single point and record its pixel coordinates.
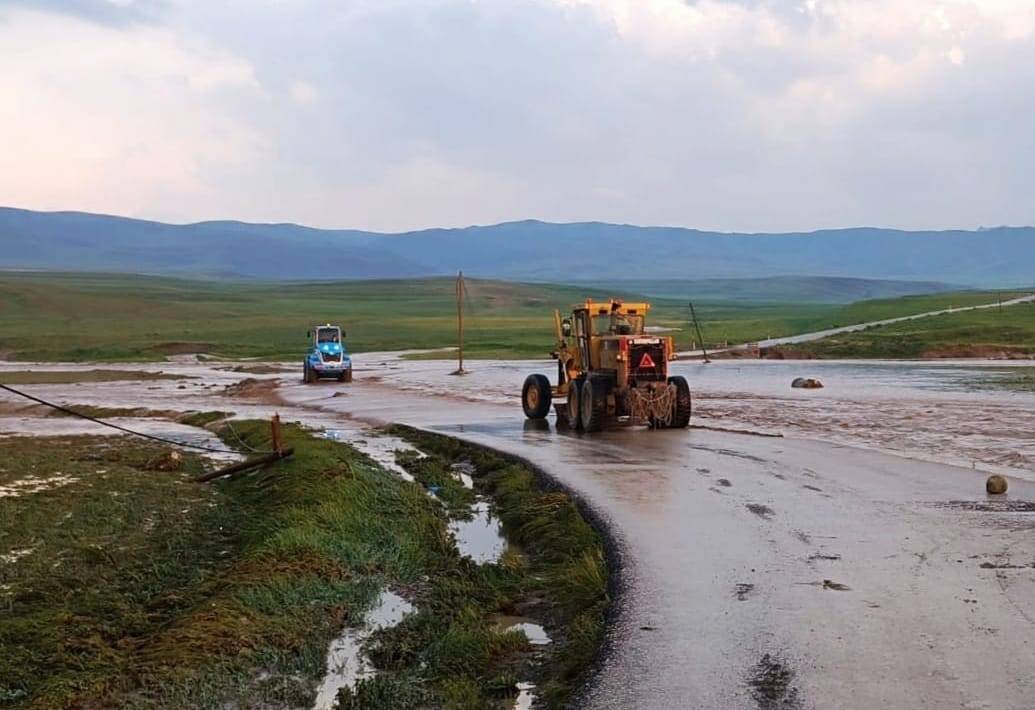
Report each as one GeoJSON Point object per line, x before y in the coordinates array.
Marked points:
{"type": "Point", "coordinates": [762, 511]}
{"type": "Point", "coordinates": [772, 685]}
{"type": "Point", "coordinates": [990, 506]}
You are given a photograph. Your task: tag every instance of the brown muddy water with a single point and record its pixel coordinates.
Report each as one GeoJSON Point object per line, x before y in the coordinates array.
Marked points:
{"type": "Point", "coordinates": [847, 564]}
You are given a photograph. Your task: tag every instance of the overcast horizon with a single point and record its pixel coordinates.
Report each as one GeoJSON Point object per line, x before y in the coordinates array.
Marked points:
{"type": "Point", "coordinates": [397, 115]}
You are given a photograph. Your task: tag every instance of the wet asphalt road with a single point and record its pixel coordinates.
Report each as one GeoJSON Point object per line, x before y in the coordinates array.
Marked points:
{"type": "Point", "coordinates": [778, 573]}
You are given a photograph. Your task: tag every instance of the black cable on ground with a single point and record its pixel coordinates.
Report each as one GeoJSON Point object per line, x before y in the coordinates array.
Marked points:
{"type": "Point", "coordinates": [95, 420]}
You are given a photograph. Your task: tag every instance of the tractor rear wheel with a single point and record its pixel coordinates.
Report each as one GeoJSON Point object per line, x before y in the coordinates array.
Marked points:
{"type": "Point", "coordinates": [593, 404]}
{"type": "Point", "coordinates": [536, 397]}
{"type": "Point", "coordinates": [346, 376]}
{"type": "Point", "coordinates": [574, 395]}
{"type": "Point", "coordinates": [681, 408]}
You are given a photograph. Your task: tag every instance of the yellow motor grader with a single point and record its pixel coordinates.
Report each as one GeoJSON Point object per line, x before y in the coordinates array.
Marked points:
{"type": "Point", "coordinates": [610, 371]}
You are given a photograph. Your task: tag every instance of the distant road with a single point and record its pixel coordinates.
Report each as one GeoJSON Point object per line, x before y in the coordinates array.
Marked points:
{"type": "Point", "coordinates": [820, 334]}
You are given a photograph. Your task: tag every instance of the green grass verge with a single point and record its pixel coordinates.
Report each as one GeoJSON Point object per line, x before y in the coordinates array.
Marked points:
{"type": "Point", "coordinates": [128, 586]}
{"type": "Point", "coordinates": [1009, 332]}
{"type": "Point", "coordinates": [558, 560]}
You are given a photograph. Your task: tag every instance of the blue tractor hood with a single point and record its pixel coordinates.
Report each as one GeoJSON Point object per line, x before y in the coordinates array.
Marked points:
{"type": "Point", "coordinates": [331, 348]}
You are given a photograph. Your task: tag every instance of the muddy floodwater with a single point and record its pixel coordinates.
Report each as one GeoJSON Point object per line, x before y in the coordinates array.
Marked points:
{"type": "Point", "coordinates": [851, 559]}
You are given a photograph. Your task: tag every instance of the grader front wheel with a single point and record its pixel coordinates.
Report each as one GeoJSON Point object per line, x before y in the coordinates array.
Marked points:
{"type": "Point", "coordinates": [536, 397]}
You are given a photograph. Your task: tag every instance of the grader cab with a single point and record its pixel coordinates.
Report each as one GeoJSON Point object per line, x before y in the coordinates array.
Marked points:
{"type": "Point", "coordinates": [609, 371]}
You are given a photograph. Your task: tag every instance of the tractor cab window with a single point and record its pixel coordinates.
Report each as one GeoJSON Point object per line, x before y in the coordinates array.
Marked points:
{"type": "Point", "coordinates": [327, 335]}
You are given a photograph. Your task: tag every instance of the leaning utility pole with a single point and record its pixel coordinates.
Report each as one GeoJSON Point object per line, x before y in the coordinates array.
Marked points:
{"type": "Point", "coordinates": [697, 327]}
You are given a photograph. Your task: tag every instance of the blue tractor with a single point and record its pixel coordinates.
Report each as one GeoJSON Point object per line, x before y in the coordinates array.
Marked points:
{"type": "Point", "coordinates": [326, 356]}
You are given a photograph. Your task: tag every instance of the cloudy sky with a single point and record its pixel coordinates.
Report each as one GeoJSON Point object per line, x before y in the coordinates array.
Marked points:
{"type": "Point", "coordinates": [756, 115]}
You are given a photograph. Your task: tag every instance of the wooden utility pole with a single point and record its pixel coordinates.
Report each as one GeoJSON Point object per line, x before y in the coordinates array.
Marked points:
{"type": "Point", "coordinates": [279, 452]}
{"type": "Point", "coordinates": [278, 445]}
{"type": "Point", "coordinates": [460, 322]}
{"type": "Point", "coordinates": [697, 327]}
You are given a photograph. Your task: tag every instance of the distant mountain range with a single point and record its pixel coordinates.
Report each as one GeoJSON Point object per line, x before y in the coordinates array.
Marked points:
{"type": "Point", "coordinates": [529, 250]}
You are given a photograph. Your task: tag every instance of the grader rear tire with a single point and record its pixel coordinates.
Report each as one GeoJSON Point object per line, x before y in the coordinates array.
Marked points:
{"type": "Point", "coordinates": [574, 397]}
{"type": "Point", "coordinates": [593, 404]}
{"type": "Point", "coordinates": [536, 397]}
{"type": "Point", "coordinates": [683, 405]}
{"type": "Point", "coordinates": [561, 410]}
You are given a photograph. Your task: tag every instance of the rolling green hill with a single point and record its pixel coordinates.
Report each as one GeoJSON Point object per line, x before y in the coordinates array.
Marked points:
{"type": "Point", "coordinates": [83, 317]}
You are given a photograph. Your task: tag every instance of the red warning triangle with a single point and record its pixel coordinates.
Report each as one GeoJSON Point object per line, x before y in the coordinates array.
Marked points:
{"type": "Point", "coordinates": [646, 362]}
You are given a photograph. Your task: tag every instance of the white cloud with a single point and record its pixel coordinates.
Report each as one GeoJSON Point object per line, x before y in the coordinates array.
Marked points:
{"type": "Point", "coordinates": [747, 114]}
{"type": "Point", "coordinates": [304, 93]}
{"type": "Point", "coordinates": [93, 117]}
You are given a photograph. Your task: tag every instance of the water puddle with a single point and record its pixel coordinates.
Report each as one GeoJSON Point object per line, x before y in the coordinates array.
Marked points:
{"type": "Point", "coordinates": [59, 426]}
{"type": "Point", "coordinates": [533, 630]}
{"type": "Point", "coordinates": [35, 485]}
{"type": "Point", "coordinates": [464, 472]}
{"type": "Point", "coordinates": [381, 448]}
{"type": "Point", "coordinates": [346, 664]}
{"type": "Point", "coordinates": [481, 537]}
{"type": "Point", "coordinates": [525, 697]}
{"type": "Point", "coordinates": [15, 555]}
{"type": "Point", "coordinates": [536, 636]}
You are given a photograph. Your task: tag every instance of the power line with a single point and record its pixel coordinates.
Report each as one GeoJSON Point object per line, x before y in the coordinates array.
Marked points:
{"type": "Point", "coordinates": [95, 420]}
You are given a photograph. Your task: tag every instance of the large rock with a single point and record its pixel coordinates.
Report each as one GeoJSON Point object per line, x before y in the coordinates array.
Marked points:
{"type": "Point", "coordinates": [996, 484]}
{"type": "Point", "coordinates": [808, 383]}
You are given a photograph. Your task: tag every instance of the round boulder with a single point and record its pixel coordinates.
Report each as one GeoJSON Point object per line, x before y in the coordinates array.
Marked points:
{"type": "Point", "coordinates": [808, 383]}
{"type": "Point", "coordinates": [996, 485]}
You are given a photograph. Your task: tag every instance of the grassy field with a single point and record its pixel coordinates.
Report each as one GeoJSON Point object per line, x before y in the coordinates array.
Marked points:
{"type": "Point", "coordinates": [90, 317]}
{"type": "Point", "coordinates": [984, 333]}
{"type": "Point", "coordinates": [126, 585]}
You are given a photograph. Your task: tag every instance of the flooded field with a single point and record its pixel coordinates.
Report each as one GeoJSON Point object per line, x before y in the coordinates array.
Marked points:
{"type": "Point", "coordinates": [975, 414]}
{"type": "Point", "coordinates": [958, 412]}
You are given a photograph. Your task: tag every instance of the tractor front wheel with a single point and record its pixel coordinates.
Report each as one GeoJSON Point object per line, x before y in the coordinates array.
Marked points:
{"type": "Point", "coordinates": [593, 404]}
{"type": "Point", "coordinates": [682, 406]}
{"type": "Point", "coordinates": [307, 374]}
{"type": "Point", "coordinates": [572, 411]}
{"type": "Point", "coordinates": [536, 397]}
